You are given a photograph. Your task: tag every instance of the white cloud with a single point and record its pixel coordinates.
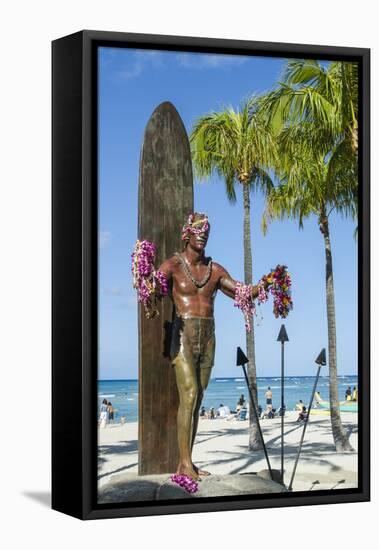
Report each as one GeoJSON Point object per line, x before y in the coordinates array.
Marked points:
{"type": "Point", "coordinates": [104, 239]}
{"type": "Point", "coordinates": [143, 59]}
{"type": "Point", "coordinates": [209, 61]}
{"type": "Point", "coordinates": [107, 56]}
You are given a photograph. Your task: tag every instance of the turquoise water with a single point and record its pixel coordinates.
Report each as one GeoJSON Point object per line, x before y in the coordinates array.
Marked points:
{"type": "Point", "coordinates": [123, 394]}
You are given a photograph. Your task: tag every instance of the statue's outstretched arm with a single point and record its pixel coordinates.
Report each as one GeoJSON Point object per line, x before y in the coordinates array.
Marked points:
{"type": "Point", "coordinates": [228, 285]}
{"type": "Point", "coordinates": [243, 295]}
{"type": "Point", "coordinates": [277, 282]}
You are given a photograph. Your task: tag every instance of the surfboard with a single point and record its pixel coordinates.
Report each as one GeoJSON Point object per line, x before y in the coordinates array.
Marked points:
{"type": "Point", "coordinates": [345, 406]}
{"type": "Point", "coordinates": [165, 199]}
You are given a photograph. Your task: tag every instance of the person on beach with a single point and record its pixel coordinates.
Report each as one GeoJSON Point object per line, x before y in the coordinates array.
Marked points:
{"type": "Point", "coordinates": [355, 394]}
{"type": "Point", "coordinates": [241, 400]}
{"type": "Point", "coordinates": [302, 415]}
{"type": "Point", "coordinates": [103, 414]}
{"type": "Point", "coordinates": [240, 403]}
{"type": "Point", "coordinates": [110, 411]}
{"type": "Point", "coordinates": [223, 411]}
{"type": "Point", "coordinates": [348, 394]}
{"type": "Point", "coordinates": [267, 413]}
{"type": "Point", "coordinates": [202, 412]}
{"type": "Point", "coordinates": [299, 406]}
{"type": "Point", "coordinates": [268, 396]}
{"type": "Point", "coordinates": [193, 281]}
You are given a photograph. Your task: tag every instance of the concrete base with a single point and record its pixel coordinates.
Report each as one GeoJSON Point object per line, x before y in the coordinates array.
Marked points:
{"type": "Point", "coordinates": [132, 488]}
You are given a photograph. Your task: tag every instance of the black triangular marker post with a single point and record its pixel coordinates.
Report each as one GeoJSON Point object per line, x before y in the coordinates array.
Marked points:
{"type": "Point", "coordinates": [321, 362]}
{"type": "Point", "coordinates": [282, 337]}
{"type": "Point", "coordinates": [241, 362]}
{"type": "Point", "coordinates": [241, 358]}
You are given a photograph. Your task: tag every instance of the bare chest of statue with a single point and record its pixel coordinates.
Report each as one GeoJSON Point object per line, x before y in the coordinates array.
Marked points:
{"type": "Point", "coordinates": [189, 299]}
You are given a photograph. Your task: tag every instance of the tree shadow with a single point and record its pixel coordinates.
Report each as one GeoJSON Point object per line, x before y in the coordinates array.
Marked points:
{"type": "Point", "coordinates": [311, 453]}
{"type": "Point", "coordinates": [123, 447]}
{"type": "Point", "coordinates": [211, 435]}
{"type": "Point", "coordinates": [117, 471]}
{"type": "Point", "coordinates": [350, 429]}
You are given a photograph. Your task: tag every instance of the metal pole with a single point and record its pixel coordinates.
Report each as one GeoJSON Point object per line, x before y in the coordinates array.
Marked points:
{"type": "Point", "coordinates": [304, 428]}
{"type": "Point", "coordinates": [282, 419]}
{"type": "Point", "coordinates": [257, 419]}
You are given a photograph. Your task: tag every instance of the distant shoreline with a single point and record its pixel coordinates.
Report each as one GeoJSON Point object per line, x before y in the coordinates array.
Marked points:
{"type": "Point", "coordinates": [233, 377]}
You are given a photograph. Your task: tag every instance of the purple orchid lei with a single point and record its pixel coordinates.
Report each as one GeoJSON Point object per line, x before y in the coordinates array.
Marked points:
{"type": "Point", "coordinates": [189, 484]}
{"type": "Point", "coordinates": [243, 299]}
{"type": "Point", "coordinates": [189, 228]}
{"type": "Point", "coordinates": [278, 283]}
{"type": "Point", "coordinates": [150, 283]}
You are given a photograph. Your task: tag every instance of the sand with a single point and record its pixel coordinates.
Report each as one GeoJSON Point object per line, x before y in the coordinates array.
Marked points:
{"type": "Point", "coordinates": [221, 447]}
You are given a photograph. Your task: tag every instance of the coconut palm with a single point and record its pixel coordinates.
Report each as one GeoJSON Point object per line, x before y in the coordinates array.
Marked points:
{"type": "Point", "coordinates": [327, 98]}
{"type": "Point", "coordinates": [238, 147]}
{"type": "Point", "coordinates": [314, 116]}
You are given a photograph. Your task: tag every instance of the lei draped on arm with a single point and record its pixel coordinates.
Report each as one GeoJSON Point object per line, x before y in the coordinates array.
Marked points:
{"type": "Point", "coordinates": [150, 283]}
{"type": "Point", "coordinates": [277, 283]}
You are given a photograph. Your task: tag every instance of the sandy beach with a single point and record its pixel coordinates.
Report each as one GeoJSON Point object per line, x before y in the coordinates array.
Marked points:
{"type": "Point", "coordinates": [222, 448]}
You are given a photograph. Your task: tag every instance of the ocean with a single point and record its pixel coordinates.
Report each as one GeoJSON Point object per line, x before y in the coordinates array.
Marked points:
{"type": "Point", "coordinates": [123, 394]}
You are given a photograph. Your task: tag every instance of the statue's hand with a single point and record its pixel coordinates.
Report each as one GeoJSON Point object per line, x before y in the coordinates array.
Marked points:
{"type": "Point", "coordinates": [266, 281]}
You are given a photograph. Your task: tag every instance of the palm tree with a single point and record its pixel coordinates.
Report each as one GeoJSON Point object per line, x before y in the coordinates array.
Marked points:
{"type": "Point", "coordinates": [327, 98]}
{"type": "Point", "coordinates": [314, 115]}
{"type": "Point", "coordinates": [238, 147]}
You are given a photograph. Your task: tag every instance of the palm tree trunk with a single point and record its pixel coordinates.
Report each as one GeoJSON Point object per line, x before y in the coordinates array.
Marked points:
{"type": "Point", "coordinates": [340, 437]}
{"type": "Point", "coordinates": [255, 442]}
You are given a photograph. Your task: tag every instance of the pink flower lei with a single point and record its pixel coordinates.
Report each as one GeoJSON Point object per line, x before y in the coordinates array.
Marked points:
{"type": "Point", "coordinates": [190, 227]}
{"type": "Point", "coordinates": [243, 299]}
{"type": "Point", "coordinates": [189, 484]}
{"type": "Point", "coordinates": [278, 283]}
{"type": "Point", "coordinates": [151, 284]}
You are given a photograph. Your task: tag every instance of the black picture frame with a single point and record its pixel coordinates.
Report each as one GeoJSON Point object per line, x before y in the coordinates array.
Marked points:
{"type": "Point", "coordinates": [74, 273]}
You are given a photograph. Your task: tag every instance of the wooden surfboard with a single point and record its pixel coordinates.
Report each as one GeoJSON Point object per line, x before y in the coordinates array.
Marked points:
{"type": "Point", "coordinates": [165, 199]}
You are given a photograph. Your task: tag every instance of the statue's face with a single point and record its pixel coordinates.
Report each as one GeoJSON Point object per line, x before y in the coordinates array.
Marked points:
{"type": "Point", "coordinates": [198, 242]}
{"type": "Point", "coordinates": [195, 231]}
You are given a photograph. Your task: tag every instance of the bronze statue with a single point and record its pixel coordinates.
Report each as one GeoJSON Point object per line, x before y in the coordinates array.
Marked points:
{"type": "Point", "coordinates": [194, 280]}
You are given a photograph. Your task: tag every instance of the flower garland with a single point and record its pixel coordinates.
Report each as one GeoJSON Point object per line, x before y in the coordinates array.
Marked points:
{"type": "Point", "coordinates": [278, 283]}
{"type": "Point", "coordinates": [151, 284]}
{"type": "Point", "coordinates": [244, 301]}
{"type": "Point", "coordinates": [189, 484]}
{"type": "Point", "coordinates": [189, 228]}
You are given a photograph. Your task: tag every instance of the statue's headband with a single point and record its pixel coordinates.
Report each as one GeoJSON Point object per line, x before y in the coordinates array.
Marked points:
{"type": "Point", "coordinates": [195, 227]}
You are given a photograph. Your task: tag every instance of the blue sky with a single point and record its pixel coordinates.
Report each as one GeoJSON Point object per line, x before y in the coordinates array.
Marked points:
{"type": "Point", "coordinates": [131, 85]}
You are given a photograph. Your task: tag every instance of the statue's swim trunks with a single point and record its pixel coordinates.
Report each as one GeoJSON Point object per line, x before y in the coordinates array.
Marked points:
{"type": "Point", "coordinates": [193, 340]}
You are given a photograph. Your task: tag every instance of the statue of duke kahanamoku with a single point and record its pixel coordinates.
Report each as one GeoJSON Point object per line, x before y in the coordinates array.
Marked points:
{"type": "Point", "coordinates": [194, 279]}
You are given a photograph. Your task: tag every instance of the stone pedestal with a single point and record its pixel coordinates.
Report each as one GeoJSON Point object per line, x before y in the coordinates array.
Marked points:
{"type": "Point", "coordinates": [132, 488]}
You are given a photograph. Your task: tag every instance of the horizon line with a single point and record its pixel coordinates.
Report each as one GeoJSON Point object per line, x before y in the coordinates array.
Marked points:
{"type": "Point", "coordinates": [233, 377]}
